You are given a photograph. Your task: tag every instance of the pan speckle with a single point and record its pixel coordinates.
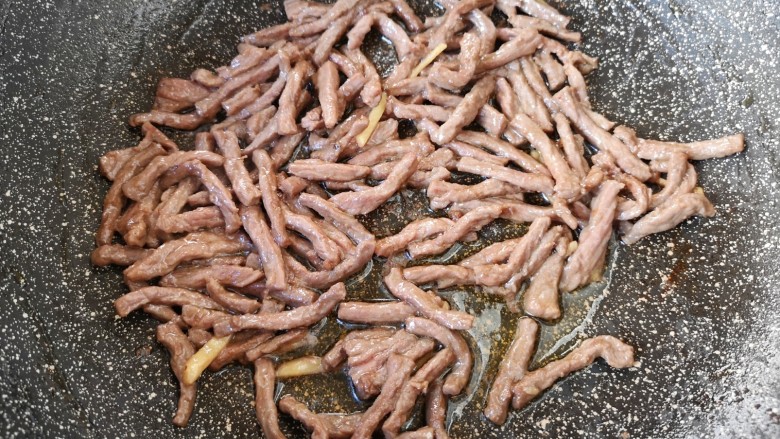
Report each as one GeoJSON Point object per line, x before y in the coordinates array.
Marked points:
{"type": "Point", "coordinates": [700, 302]}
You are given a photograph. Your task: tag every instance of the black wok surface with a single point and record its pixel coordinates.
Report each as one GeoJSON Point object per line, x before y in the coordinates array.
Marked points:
{"type": "Point", "coordinates": [700, 303]}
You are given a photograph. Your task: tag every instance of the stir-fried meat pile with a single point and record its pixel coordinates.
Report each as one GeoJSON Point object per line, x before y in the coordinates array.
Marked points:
{"type": "Point", "coordinates": [241, 243]}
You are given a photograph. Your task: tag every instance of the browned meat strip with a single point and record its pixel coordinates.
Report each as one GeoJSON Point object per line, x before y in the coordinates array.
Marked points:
{"type": "Point", "coordinates": [599, 137]}
{"type": "Point", "coordinates": [546, 28]}
{"type": "Point", "coordinates": [513, 367]}
{"type": "Point", "coordinates": [196, 278]}
{"type": "Point", "coordinates": [375, 313]}
{"type": "Point", "coordinates": [466, 111]}
{"type": "Point", "coordinates": [523, 180]}
{"type": "Point", "coordinates": [468, 59]}
{"type": "Point", "coordinates": [338, 9]}
{"type": "Point", "coordinates": [552, 69]}
{"type": "Point", "coordinates": [302, 414]}
{"type": "Point", "coordinates": [594, 237]}
{"type": "Point", "coordinates": [424, 303]}
{"type": "Point", "coordinates": [419, 144]}
{"type": "Point", "coordinates": [421, 433]}
{"type": "Point", "coordinates": [192, 221]}
{"type": "Point", "coordinates": [299, 317]}
{"type": "Point", "coordinates": [363, 202]}
{"type": "Point", "coordinates": [399, 368]}
{"type": "Point", "coordinates": [412, 389]}
{"type": "Point", "coordinates": [118, 255]}
{"type": "Point", "coordinates": [472, 221]}
{"type": "Point", "coordinates": [616, 353]}
{"type": "Point", "coordinates": [115, 198]}
{"type": "Point", "coordinates": [436, 409]}
{"type": "Point", "coordinates": [444, 275]}
{"type": "Point", "coordinates": [319, 170]}
{"type": "Point", "coordinates": [669, 214]}
{"type": "Point", "coordinates": [529, 101]}
{"type": "Point", "coordinates": [201, 318]}
{"type": "Point", "coordinates": [493, 275]}
{"type": "Point", "coordinates": [218, 194]}
{"type": "Point", "coordinates": [181, 90]}
{"type": "Point", "coordinates": [403, 110]}
{"type": "Point", "coordinates": [533, 74]}
{"type": "Point", "coordinates": [328, 89]}
{"type": "Point", "coordinates": [288, 107]}
{"type": "Point", "coordinates": [541, 298]}
{"type": "Point", "coordinates": [372, 90]}
{"type": "Point", "coordinates": [198, 245]}
{"type": "Point", "coordinates": [265, 386]}
{"type": "Point", "coordinates": [389, 28]}
{"type": "Point", "coordinates": [523, 44]}
{"type": "Point", "coordinates": [180, 350]}
{"type": "Point", "coordinates": [207, 78]}
{"type": "Point", "coordinates": [336, 356]}
{"type": "Point", "coordinates": [461, 371]}
{"type": "Point", "coordinates": [331, 36]}
{"type": "Point", "coordinates": [269, 251]}
{"type": "Point", "coordinates": [161, 296]}
{"type": "Point", "coordinates": [271, 201]}
{"type": "Point", "coordinates": [567, 184]}
{"type": "Point", "coordinates": [235, 169]}
{"type": "Point", "coordinates": [239, 345]}
{"type": "Point", "coordinates": [407, 14]}
{"type": "Point", "coordinates": [441, 194]}
{"type": "Point", "coordinates": [269, 35]}
{"type": "Point", "coordinates": [264, 102]}
{"type": "Point", "coordinates": [322, 245]}
{"type": "Point", "coordinates": [283, 148]}
{"type": "Point", "coordinates": [504, 149]}
{"type": "Point", "coordinates": [675, 166]}
{"type": "Point", "coordinates": [573, 148]}
{"type": "Point", "coordinates": [707, 149]}
{"type": "Point", "coordinates": [277, 345]}
{"type": "Point", "coordinates": [452, 22]}
{"type": "Point", "coordinates": [534, 263]}
{"type": "Point", "coordinates": [230, 300]}
{"type": "Point", "coordinates": [414, 231]}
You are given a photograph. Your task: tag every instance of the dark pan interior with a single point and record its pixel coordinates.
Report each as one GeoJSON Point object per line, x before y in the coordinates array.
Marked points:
{"type": "Point", "coordinates": [700, 303]}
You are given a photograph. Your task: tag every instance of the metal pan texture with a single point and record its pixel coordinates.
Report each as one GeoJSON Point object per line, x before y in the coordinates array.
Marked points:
{"type": "Point", "coordinates": [700, 303]}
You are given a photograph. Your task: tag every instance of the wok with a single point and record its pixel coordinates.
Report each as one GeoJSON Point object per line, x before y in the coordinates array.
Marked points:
{"type": "Point", "coordinates": [700, 303]}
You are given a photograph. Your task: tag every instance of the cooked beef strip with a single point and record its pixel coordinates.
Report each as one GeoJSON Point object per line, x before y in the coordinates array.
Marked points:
{"type": "Point", "coordinates": [230, 300]}
{"type": "Point", "coordinates": [523, 180]}
{"type": "Point", "coordinates": [201, 318]}
{"type": "Point", "coordinates": [573, 149]}
{"type": "Point", "coordinates": [468, 59]}
{"type": "Point", "coordinates": [328, 93]}
{"type": "Point", "coordinates": [387, 27]}
{"type": "Point", "coordinates": [198, 199]}
{"type": "Point", "coordinates": [281, 343]}
{"type": "Point", "coordinates": [546, 28]}
{"type": "Point", "coordinates": [673, 211]}
{"type": "Point", "coordinates": [363, 202]}
{"type": "Point", "coordinates": [161, 296]}
{"type": "Point", "coordinates": [452, 20]}
{"type": "Point", "coordinates": [198, 337]}
{"type": "Point", "coordinates": [375, 313]}
{"type": "Point", "coordinates": [198, 245]}
{"type": "Point", "coordinates": [339, 140]}
{"type": "Point", "coordinates": [180, 350]}
{"type": "Point", "coordinates": [513, 367]}
{"type": "Point", "coordinates": [336, 356]}
{"type": "Point", "coordinates": [535, 261]}
{"type": "Point", "coordinates": [181, 90]}
{"type": "Point", "coordinates": [338, 9]}
{"type": "Point", "coordinates": [436, 409]}
{"type": "Point", "coordinates": [530, 102]}
{"type": "Point", "coordinates": [219, 195]}
{"type": "Point", "coordinates": [270, 131]}
{"type": "Point", "coordinates": [207, 78]}
{"type": "Point", "coordinates": [541, 297]}
{"type": "Point", "coordinates": [493, 275]}
{"type": "Point", "coordinates": [616, 353]}
{"type": "Point", "coordinates": [441, 194]}
{"type": "Point", "coordinates": [423, 302]}
{"type": "Point", "coordinates": [239, 345]}
{"type": "Point", "coordinates": [472, 221]}
{"type": "Point", "coordinates": [269, 35]}
{"type": "Point", "coordinates": [137, 187]}
{"type": "Point", "coordinates": [402, 110]}
{"type": "Point", "coordinates": [377, 353]}
{"type": "Point", "coordinates": [302, 316]}
{"type": "Point", "coordinates": [336, 30]}
{"type": "Point", "coordinates": [269, 251]}
{"type": "Point", "coordinates": [304, 249]}
{"type": "Point", "coordinates": [118, 255]}
{"type": "Point", "coordinates": [599, 137]}
{"type": "Point", "coordinates": [115, 198]}
{"type": "Point", "coordinates": [302, 414]}
{"type": "Point", "coordinates": [593, 239]}
{"type": "Point", "coordinates": [675, 167]}
{"type": "Point", "coordinates": [287, 112]}
{"type": "Point", "coordinates": [552, 69]}
{"type": "Point", "coordinates": [323, 246]}
{"type": "Point", "coordinates": [419, 144]}
{"type": "Point", "coordinates": [265, 386]}
{"type": "Point", "coordinates": [220, 260]}
{"type": "Point", "coordinates": [461, 371]}
{"type": "Point", "coordinates": [412, 389]}
{"type": "Point", "coordinates": [283, 148]}
{"type": "Point", "coordinates": [399, 368]}
{"type": "Point", "coordinates": [264, 102]}
{"type": "Point", "coordinates": [466, 111]}
{"type": "Point", "coordinates": [271, 201]}
{"type": "Point", "coordinates": [414, 231]}
{"type": "Point", "coordinates": [421, 433]}
{"type": "Point", "coordinates": [196, 278]}
{"type": "Point", "coordinates": [235, 168]}
{"type": "Point", "coordinates": [629, 209]}
{"type": "Point", "coordinates": [703, 150]}
{"type": "Point", "coordinates": [372, 90]}
{"type": "Point", "coordinates": [241, 99]}
{"type": "Point", "coordinates": [407, 15]}
{"type": "Point", "coordinates": [567, 184]}
{"type": "Point", "coordinates": [319, 170]}
{"type": "Point", "coordinates": [504, 149]}
{"type": "Point", "coordinates": [192, 221]}
{"type": "Point", "coordinates": [533, 75]}
{"type": "Point", "coordinates": [525, 43]}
